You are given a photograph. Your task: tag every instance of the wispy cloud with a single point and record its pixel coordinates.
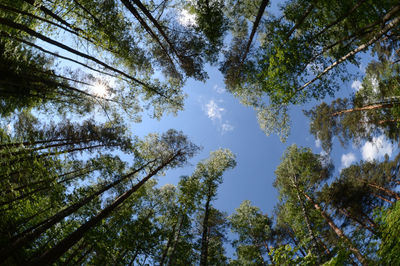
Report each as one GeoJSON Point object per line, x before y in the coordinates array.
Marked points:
{"type": "Point", "coordinates": [219, 89]}
{"type": "Point", "coordinates": [376, 149]}
{"type": "Point", "coordinates": [213, 111]}
{"type": "Point", "coordinates": [347, 159]}
{"type": "Point", "coordinates": [226, 127]}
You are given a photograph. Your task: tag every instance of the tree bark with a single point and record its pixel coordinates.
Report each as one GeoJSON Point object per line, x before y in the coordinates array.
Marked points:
{"type": "Point", "coordinates": [165, 252]}
{"type": "Point", "coordinates": [256, 23]}
{"type": "Point", "coordinates": [204, 237]}
{"type": "Point", "coordinates": [35, 231]}
{"type": "Point", "coordinates": [142, 22]}
{"type": "Point", "coordinates": [358, 221]}
{"type": "Point", "coordinates": [337, 230]}
{"type": "Point", "coordinates": [364, 108]}
{"type": "Point", "coordinates": [360, 48]}
{"type": "Point", "coordinates": [306, 217]}
{"type": "Point", "coordinates": [147, 13]}
{"type": "Point", "coordinates": [4, 34]}
{"type": "Point", "coordinates": [385, 190]}
{"type": "Point", "coordinates": [171, 261]}
{"type": "Point", "coordinates": [348, 13]}
{"type": "Point", "coordinates": [51, 255]}
{"type": "Point", "coordinates": [17, 26]}
{"type": "Point", "coordinates": [300, 21]}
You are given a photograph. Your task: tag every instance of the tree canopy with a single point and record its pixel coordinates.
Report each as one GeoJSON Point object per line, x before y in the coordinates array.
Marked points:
{"type": "Point", "coordinates": [78, 187]}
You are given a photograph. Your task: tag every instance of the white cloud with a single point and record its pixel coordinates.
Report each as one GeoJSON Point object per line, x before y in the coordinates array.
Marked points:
{"type": "Point", "coordinates": [377, 148]}
{"type": "Point", "coordinates": [348, 159]}
{"type": "Point", "coordinates": [318, 143]}
{"type": "Point", "coordinates": [219, 89]}
{"type": "Point", "coordinates": [226, 127]}
{"type": "Point", "coordinates": [187, 19]}
{"type": "Point", "coordinates": [215, 113]}
{"type": "Point", "coordinates": [356, 85]}
{"type": "Point", "coordinates": [213, 110]}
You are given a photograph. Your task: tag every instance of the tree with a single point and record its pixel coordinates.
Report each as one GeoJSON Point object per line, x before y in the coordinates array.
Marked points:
{"type": "Point", "coordinates": [371, 112]}
{"type": "Point", "coordinates": [255, 234]}
{"type": "Point", "coordinates": [217, 225]}
{"type": "Point", "coordinates": [389, 227]}
{"type": "Point", "coordinates": [297, 177]}
{"type": "Point", "coordinates": [210, 173]}
{"type": "Point", "coordinates": [173, 149]}
{"type": "Point", "coordinates": [302, 54]}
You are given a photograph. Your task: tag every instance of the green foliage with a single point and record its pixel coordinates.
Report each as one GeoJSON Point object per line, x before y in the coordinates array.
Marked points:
{"type": "Point", "coordinates": [389, 229]}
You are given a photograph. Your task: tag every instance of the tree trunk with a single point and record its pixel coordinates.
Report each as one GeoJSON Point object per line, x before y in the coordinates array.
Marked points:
{"type": "Point", "coordinates": [134, 257]}
{"type": "Point", "coordinates": [165, 252]}
{"type": "Point", "coordinates": [83, 245]}
{"type": "Point", "coordinates": [348, 13]}
{"type": "Point", "coordinates": [337, 230]}
{"type": "Point", "coordinates": [256, 23]}
{"type": "Point", "coordinates": [35, 231]}
{"type": "Point", "coordinates": [300, 21]}
{"type": "Point", "coordinates": [204, 238]}
{"type": "Point", "coordinates": [171, 261]}
{"type": "Point", "coordinates": [360, 48]}
{"type": "Point", "coordinates": [147, 13]}
{"type": "Point", "coordinates": [5, 34]}
{"type": "Point", "coordinates": [358, 221]}
{"type": "Point", "coordinates": [306, 218]}
{"type": "Point", "coordinates": [53, 15]}
{"type": "Point", "coordinates": [271, 259]}
{"type": "Point", "coordinates": [142, 22]}
{"type": "Point", "coordinates": [364, 108]}
{"type": "Point", "coordinates": [51, 255]}
{"type": "Point", "coordinates": [17, 26]}
{"type": "Point", "coordinates": [383, 198]}
{"type": "Point", "coordinates": [388, 192]}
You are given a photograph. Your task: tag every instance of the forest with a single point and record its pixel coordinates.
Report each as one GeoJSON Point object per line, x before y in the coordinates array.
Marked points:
{"type": "Point", "coordinates": [79, 186]}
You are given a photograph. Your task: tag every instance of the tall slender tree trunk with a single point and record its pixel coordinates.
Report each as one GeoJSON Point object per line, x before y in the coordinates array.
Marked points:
{"type": "Point", "coordinates": [134, 257]}
{"type": "Point", "coordinates": [256, 23]}
{"type": "Point", "coordinates": [204, 237]}
{"type": "Point", "coordinates": [271, 259]}
{"type": "Point", "coordinates": [17, 26]}
{"type": "Point", "coordinates": [357, 220]}
{"type": "Point", "coordinates": [306, 217]}
{"type": "Point", "coordinates": [51, 255]}
{"type": "Point", "coordinates": [383, 198]}
{"type": "Point", "coordinates": [83, 245]}
{"type": "Point", "coordinates": [360, 48]}
{"type": "Point", "coordinates": [300, 21]}
{"type": "Point", "coordinates": [337, 230]}
{"type": "Point", "coordinates": [341, 18]}
{"type": "Point", "coordinates": [169, 242]}
{"type": "Point", "coordinates": [171, 260]}
{"type": "Point", "coordinates": [35, 231]}
{"type": "Point", "coordinates": [388, 192]}
{"type": "Point", "coordinates": [147, 13]}
{"type": "Point", "coordinates": [142, 22]}
{"type": "Point", "coordinates": [364, 108]}
{"type": "Point", "coordinates": [5, 34]}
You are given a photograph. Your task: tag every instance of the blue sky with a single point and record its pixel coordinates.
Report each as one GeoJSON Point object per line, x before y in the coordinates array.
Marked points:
{"type": "Point", "coordinates": [213, 118]}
